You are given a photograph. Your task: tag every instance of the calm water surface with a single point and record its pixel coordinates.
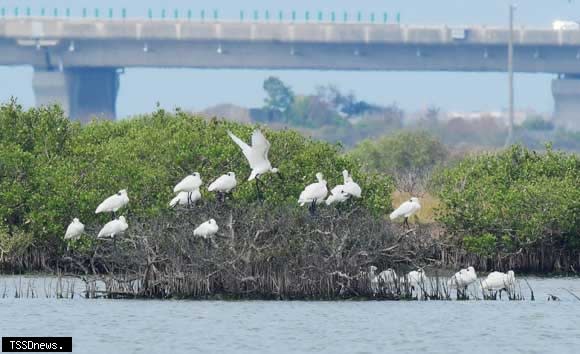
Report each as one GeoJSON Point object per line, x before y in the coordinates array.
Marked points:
{"type": "Point", "coordinates": [136, 326]}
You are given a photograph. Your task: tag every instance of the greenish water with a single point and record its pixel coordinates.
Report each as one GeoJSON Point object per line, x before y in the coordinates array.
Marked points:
{"type": "Point", "coordinates": [152, 326]}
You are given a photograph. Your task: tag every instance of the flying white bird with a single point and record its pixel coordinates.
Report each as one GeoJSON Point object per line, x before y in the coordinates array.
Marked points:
{"type": "Point", "coordinates": [388, 278]}
{"type": "Point", "coordinates": [350, 186]}
{"type": "Point", "coordinates": [189, 184]}
{"type": "Point", "coordinates": [74, 230]}
{"type": "Point", "coordinates": [337, 195]}
{"type": "Point", "coordinates": [185, 198]}
{"type": "Point", "coordinates": [113, 203]}
{"type": "Point", "coordinates": [417, 281]}
{"type": "Point", "coordinates": [224, 184]}
{"type": "Point", "coordinates": [462, 279]}
{"type": "Point", "coordinates": [257, 156]}
{"type": "Point", "coordinates": [314, 193]}
{"type": "Point", "coordinates": [114, 228]}
{"type": "Point", "coordinates": [207, 229]}
{"type": "Point", "coordinates": [499, 281]}
{"type": "Point", "coordinates": [406, 209]}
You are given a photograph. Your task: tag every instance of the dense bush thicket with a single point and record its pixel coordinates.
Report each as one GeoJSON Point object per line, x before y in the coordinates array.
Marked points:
{"type": "Point", "coordinates": [263, 252]}
{"type": "Point", "coordinates": [514, 200]}
{"type": "Point", "coordinates": [52, 169]}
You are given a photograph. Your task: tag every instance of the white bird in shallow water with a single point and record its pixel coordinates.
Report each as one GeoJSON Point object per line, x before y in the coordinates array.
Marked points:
{"type": "Point", "coordinates": [224, 184]}
{"type": "Point", "coordinates": [388, 278]}
{"type": "Point", "coordinates": [374, 279]}
{"type": "Point", "coordinates": [74, 230]}
{"type": "Point", "coordinates": [499, 281]}
{"type": "Point", "coordinates": [207, 229]}
{"type": "Point", "coordinates": [189, 184]}
{"type": "Point", "coordinates": [406, 209]}
{"type": "Point", "coordinates": [417, 281]}
{"type": "Point", "coordinates": [257, 156]}
{"type": "Point", "coordinates": [114, 228]}
{"type": "Point", "coordinates": [314, 193]}
{"type": "Point", "coordinates": [185, 198]}
{"type": "Point", "coordinates": [350, 186]}
{"type": "Point", "coordinates": [462, 279]}
{"type": "Point", "coordinates": [113, 203]}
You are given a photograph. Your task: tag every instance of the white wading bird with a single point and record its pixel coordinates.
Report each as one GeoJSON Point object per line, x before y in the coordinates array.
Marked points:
{"type": "Point", "coordinates": [190, 185]}
{"type": "Point", "coordinates": [499, 281]}
{"type": "Point", "coordinates": [257, 156]}
{"type": "Point", "coordinates": [388, 278]}
{"type": "Point", "coordinates": [185, 198]}
{"type": "Point", "coordinates": [417, 281]}
{"type": "Point", "coordinates": [207, 229]}
{"type": "Point", "coordinates": [223, 185]}
{"type": "Point", "coordinates": [342, 192]}
{"type": "Point", "coordinates": [350, 186]}
{"type": "Point", "coordinates": [114, 228]}
{"type": "Point", "coordinates": [314, 193]}
{"type": "Point", "coordinates": [74, 230]}
{"type": "Point", "coordinates": [373, 279]}
{"type": "Point", "coordinates": [113, 203]}
{"type": "Point", "coordinates": [337, 195]}
{"type": "Point", "coordinates": [462, 279]}
{"type": "Point", "coordinates": [406, 209]}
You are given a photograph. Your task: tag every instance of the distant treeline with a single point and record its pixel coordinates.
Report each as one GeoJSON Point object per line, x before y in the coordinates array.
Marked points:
{"type": "Point", "coordinates": [332, 115]}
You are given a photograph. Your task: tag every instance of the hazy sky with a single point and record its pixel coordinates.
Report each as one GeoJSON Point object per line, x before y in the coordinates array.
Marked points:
{"type": "Point", "coordinates": [193, 89]}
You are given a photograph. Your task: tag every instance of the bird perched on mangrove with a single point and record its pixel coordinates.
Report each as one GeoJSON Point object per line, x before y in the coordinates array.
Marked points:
{"type": "Point", "coordinates": [342, 192]}
{"type": "Point", "coordinates": [462, 279]}
{"type": "Point", "coordinates": [407, 209]}
{"type": "Point", "coordinates": [74, 230]}
{"type": "Point", "coordinates": [114, 228]}
{"type": "Point", "coordinates": [113, 203]}
{"type": "Point", "coordinates": [350, 186]}
{"type": "Point", "coordinates": [207, 229]}
{"type": "Point", "coordinates": [223, 185]}
{"type": "Point", "coordinates": [189, 184]}
{"type": "Point", "coordinates": [499, 281]}
{"type": "Point", "coordinates": [314, 193]}
{"type": "Point", "coordinates": [337, 195]}
{"type": "Point", "coordinates": [257, 156]}
{"type": "Point", "coordinates": [185, 198]}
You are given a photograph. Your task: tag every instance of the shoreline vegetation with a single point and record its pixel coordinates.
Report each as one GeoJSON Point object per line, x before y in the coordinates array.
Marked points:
{"type": "Point", "coordinates": [514, 209]}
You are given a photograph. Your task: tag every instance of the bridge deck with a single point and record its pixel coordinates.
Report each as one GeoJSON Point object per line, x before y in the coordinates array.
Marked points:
{"type": "Point", "coordinates": [45, 42]}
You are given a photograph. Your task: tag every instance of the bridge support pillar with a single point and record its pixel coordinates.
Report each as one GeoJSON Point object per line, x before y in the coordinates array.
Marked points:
{"type": "Point", "coordinates": [566, 92]}
{"type": "Point", "coordinates": [83, 93]}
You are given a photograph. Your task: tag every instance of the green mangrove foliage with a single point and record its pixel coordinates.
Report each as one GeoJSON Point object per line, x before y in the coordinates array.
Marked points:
{"type": "Point", "coordinates": [52, 169]}
{"type": "Point", "coordinates": [513, 200]}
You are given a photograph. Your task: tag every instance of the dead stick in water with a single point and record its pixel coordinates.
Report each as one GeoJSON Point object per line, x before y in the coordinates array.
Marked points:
{"type": "Point", "coordinates": [571, 293]}
{"type": "Point", "coordinates": [531, 290]}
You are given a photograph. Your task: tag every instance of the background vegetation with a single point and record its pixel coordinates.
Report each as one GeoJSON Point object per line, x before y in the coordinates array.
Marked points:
{"type": "Point", "coordinates": [332, 115]}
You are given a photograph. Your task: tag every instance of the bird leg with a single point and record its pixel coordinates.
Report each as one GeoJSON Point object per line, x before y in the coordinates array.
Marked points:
{"type": "Point", "coordinates": [312, 208]}
{"type": "Point", "coordinates": [260, 199]}
{"type": "Point", "coordinates": [406, 222]}
{"type": "Point", "coordinates": [114, 215]}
